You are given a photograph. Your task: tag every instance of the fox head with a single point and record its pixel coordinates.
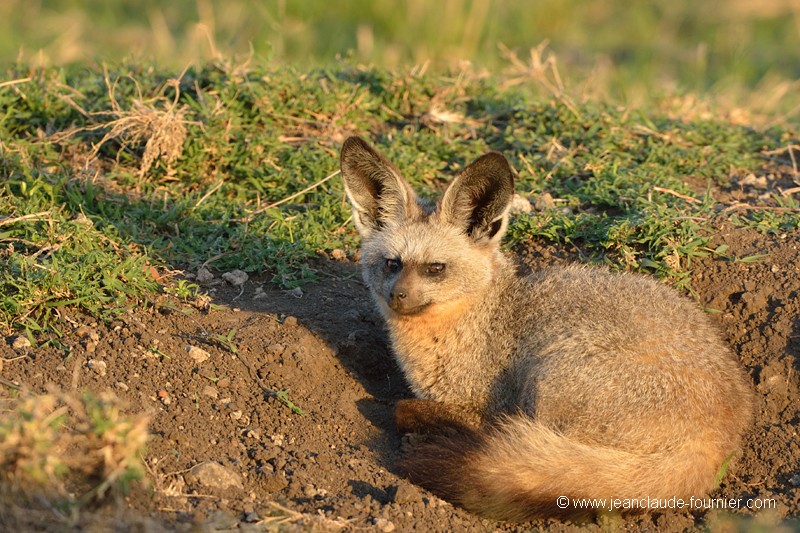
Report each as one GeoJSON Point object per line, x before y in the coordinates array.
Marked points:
{"type": "Point", "coordinates": [415, 256]}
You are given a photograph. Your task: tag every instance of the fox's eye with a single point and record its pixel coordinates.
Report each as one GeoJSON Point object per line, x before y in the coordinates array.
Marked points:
{"type": "Point", "coordinates": [393, 265]}
{"type": "Point", "coordinates": [435, 268]}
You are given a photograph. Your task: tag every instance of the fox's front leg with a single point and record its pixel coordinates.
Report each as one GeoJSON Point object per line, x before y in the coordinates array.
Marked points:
{"type": "Point", "coordinates": [429, 416]}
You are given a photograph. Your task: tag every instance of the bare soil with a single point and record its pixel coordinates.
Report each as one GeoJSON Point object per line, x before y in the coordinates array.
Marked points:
{"type": "Point", "coordinates": [334, 466]}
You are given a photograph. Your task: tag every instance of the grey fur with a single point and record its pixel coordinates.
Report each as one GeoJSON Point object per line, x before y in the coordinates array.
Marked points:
{"type": "Point", "coordinates": [588, 383]}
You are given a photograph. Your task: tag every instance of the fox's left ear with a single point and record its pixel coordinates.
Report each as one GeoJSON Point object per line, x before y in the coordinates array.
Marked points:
{"type": "Point", "coordinates": [378, 193]}
{"type": "Point", "coordinates": [479, 198]}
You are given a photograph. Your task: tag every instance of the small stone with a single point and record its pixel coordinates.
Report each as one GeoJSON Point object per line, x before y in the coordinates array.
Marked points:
{"type": "Point", "coordinates": [235, 277]}
{"type": "Point", "coordinates": [204, 275]}
{"type": "Point", "coordinates": [276, 349]}
{"type": "Point", "coordinates": [259, 294]}
{"type": "Point", "coordinates": [85, 332]}
{"type": "Point", "coordinates": [795, 480]}
{"type": "Point", "coordinates": [21, 343]}
{"type": "Point", "coordinates": [274, 482]}
{"type": "Point", "coordinates": [164, 397]}
{"type": "Point", "coordinates": [520, 204]}
{"type": "Point", "coordinates": [122, 386]}
{"type": "Point", "coordinates": [202, 302]}
{"type": "Point", "coordinates": [385, 525]}
{"type": "Point", "coordinates": [198, 354]}
{"type": "Point", "coordinates": [759, 182]}
{"type": "Point", "coordinates": [236, 415]}
{"type": "Point", "coordinates": [82, 219]}
{"type": "Point", "coordinates": [91, 346]}
{"type": "Point", "coordinates": [251, 518]}
{"type": "Point", "coordinates": [213, 475]}
{"type": "Point", "coordinates": [405, 493]}
{"type": "Point", "coordinates": [224, 382]}
{"type": "Point", "coordinates": [290, 321]}
{"type": "Point", "coordinates": [211, 392]}
{"type": "Point", "coordinates": [99, 367]}
{"type": "Point", "coordinates": [544, 202]}
{"type": "Point", "coordinates": [338, 254]}
{"type": "Point", "coordinates": [297, 292]}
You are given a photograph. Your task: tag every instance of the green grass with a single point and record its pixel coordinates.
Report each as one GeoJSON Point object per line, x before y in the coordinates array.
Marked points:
{"type": "Point", "coordinates": [114, 177]}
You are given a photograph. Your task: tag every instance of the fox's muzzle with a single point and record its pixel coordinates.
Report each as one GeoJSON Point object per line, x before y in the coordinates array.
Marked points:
{"type": "Point", "coordinates": [405, 298]}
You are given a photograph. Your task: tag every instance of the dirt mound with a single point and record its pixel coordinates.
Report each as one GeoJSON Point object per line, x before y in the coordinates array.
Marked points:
{"type": "Point", "coordinates": [209, 381]}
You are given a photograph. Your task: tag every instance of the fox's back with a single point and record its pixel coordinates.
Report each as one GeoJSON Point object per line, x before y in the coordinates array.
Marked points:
{"type": "Point", "coordinates": [599, 352]}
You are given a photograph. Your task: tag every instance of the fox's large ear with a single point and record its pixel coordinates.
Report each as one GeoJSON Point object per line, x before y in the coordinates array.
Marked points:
{"type": "Point", "coordinates": [378, 193]}
{"type": "Point", "coordinates": [479, 198]}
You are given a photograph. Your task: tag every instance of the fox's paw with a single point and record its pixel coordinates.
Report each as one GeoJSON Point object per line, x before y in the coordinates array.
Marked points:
{"type": "Point", "coordinates": [408, 417]}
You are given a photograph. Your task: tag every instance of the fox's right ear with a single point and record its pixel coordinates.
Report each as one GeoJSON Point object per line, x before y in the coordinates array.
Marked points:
{"type": "Point", "coordinates": [378, 193]}
{"type": "Point", "coordinates": [479, 198]}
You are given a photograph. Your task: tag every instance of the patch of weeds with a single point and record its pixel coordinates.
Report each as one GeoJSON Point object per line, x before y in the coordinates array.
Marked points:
{"type": "Point", "coordinates": [51, 259]}
{"type": "Point", "coordinates": [283, 397]}
{"type": "Point", "coordinates": [783, 218]}
{"type": "Point", "coordinates": [620, 184]}
{"type": "Point", "coordinates": [155, 127]}
{"type": "Point", "coordinates": [184, 289]}
{"type": "Point", "coordinates": [56, 445]}
{"type": "Point", "coordinates": [120, 440]}
{"type": "Point", "coordinates": [656, 238]}
{"type": "Point", "coordinates": [225, 341]}
{"type": "Point", "coordinates": [721, 252]}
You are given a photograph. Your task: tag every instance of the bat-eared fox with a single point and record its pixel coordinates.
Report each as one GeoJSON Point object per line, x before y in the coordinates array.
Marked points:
{"type": "Point", "coordinates": [570, 382]}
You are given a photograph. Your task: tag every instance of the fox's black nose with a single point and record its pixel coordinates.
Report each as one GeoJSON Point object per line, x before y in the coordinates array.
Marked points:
{"type": "Point", "coordinates": [398, 295]}
{"type": "Point", "coordinates": [397, 299]}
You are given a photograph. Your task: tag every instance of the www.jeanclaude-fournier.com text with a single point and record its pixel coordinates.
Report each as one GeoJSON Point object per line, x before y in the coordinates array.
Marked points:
{"type": "Point", "coordinates": [654, 504]}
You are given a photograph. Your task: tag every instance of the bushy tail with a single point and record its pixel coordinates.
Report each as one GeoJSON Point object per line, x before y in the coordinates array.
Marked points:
{"type": "Point", "coordinates": [519, 470]}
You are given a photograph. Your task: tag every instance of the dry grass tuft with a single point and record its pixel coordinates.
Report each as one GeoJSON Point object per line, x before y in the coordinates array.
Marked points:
{"type": "Point", "coordinates": [157, 122]}
{"type": "Point", "coordinates": [541, 68]}
{"type": "Point", "coordinates": [154, 126]}
{"type": "Point", "coordinates": [53, 445]}
{"type": "Point", "coordinates": [29, 434]}
{"type": "Point", "coordinates": [284, 519]}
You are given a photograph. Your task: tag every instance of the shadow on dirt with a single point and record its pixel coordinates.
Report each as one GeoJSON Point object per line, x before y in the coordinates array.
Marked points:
{"type": "Point", "coordinates": [341, 313]}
